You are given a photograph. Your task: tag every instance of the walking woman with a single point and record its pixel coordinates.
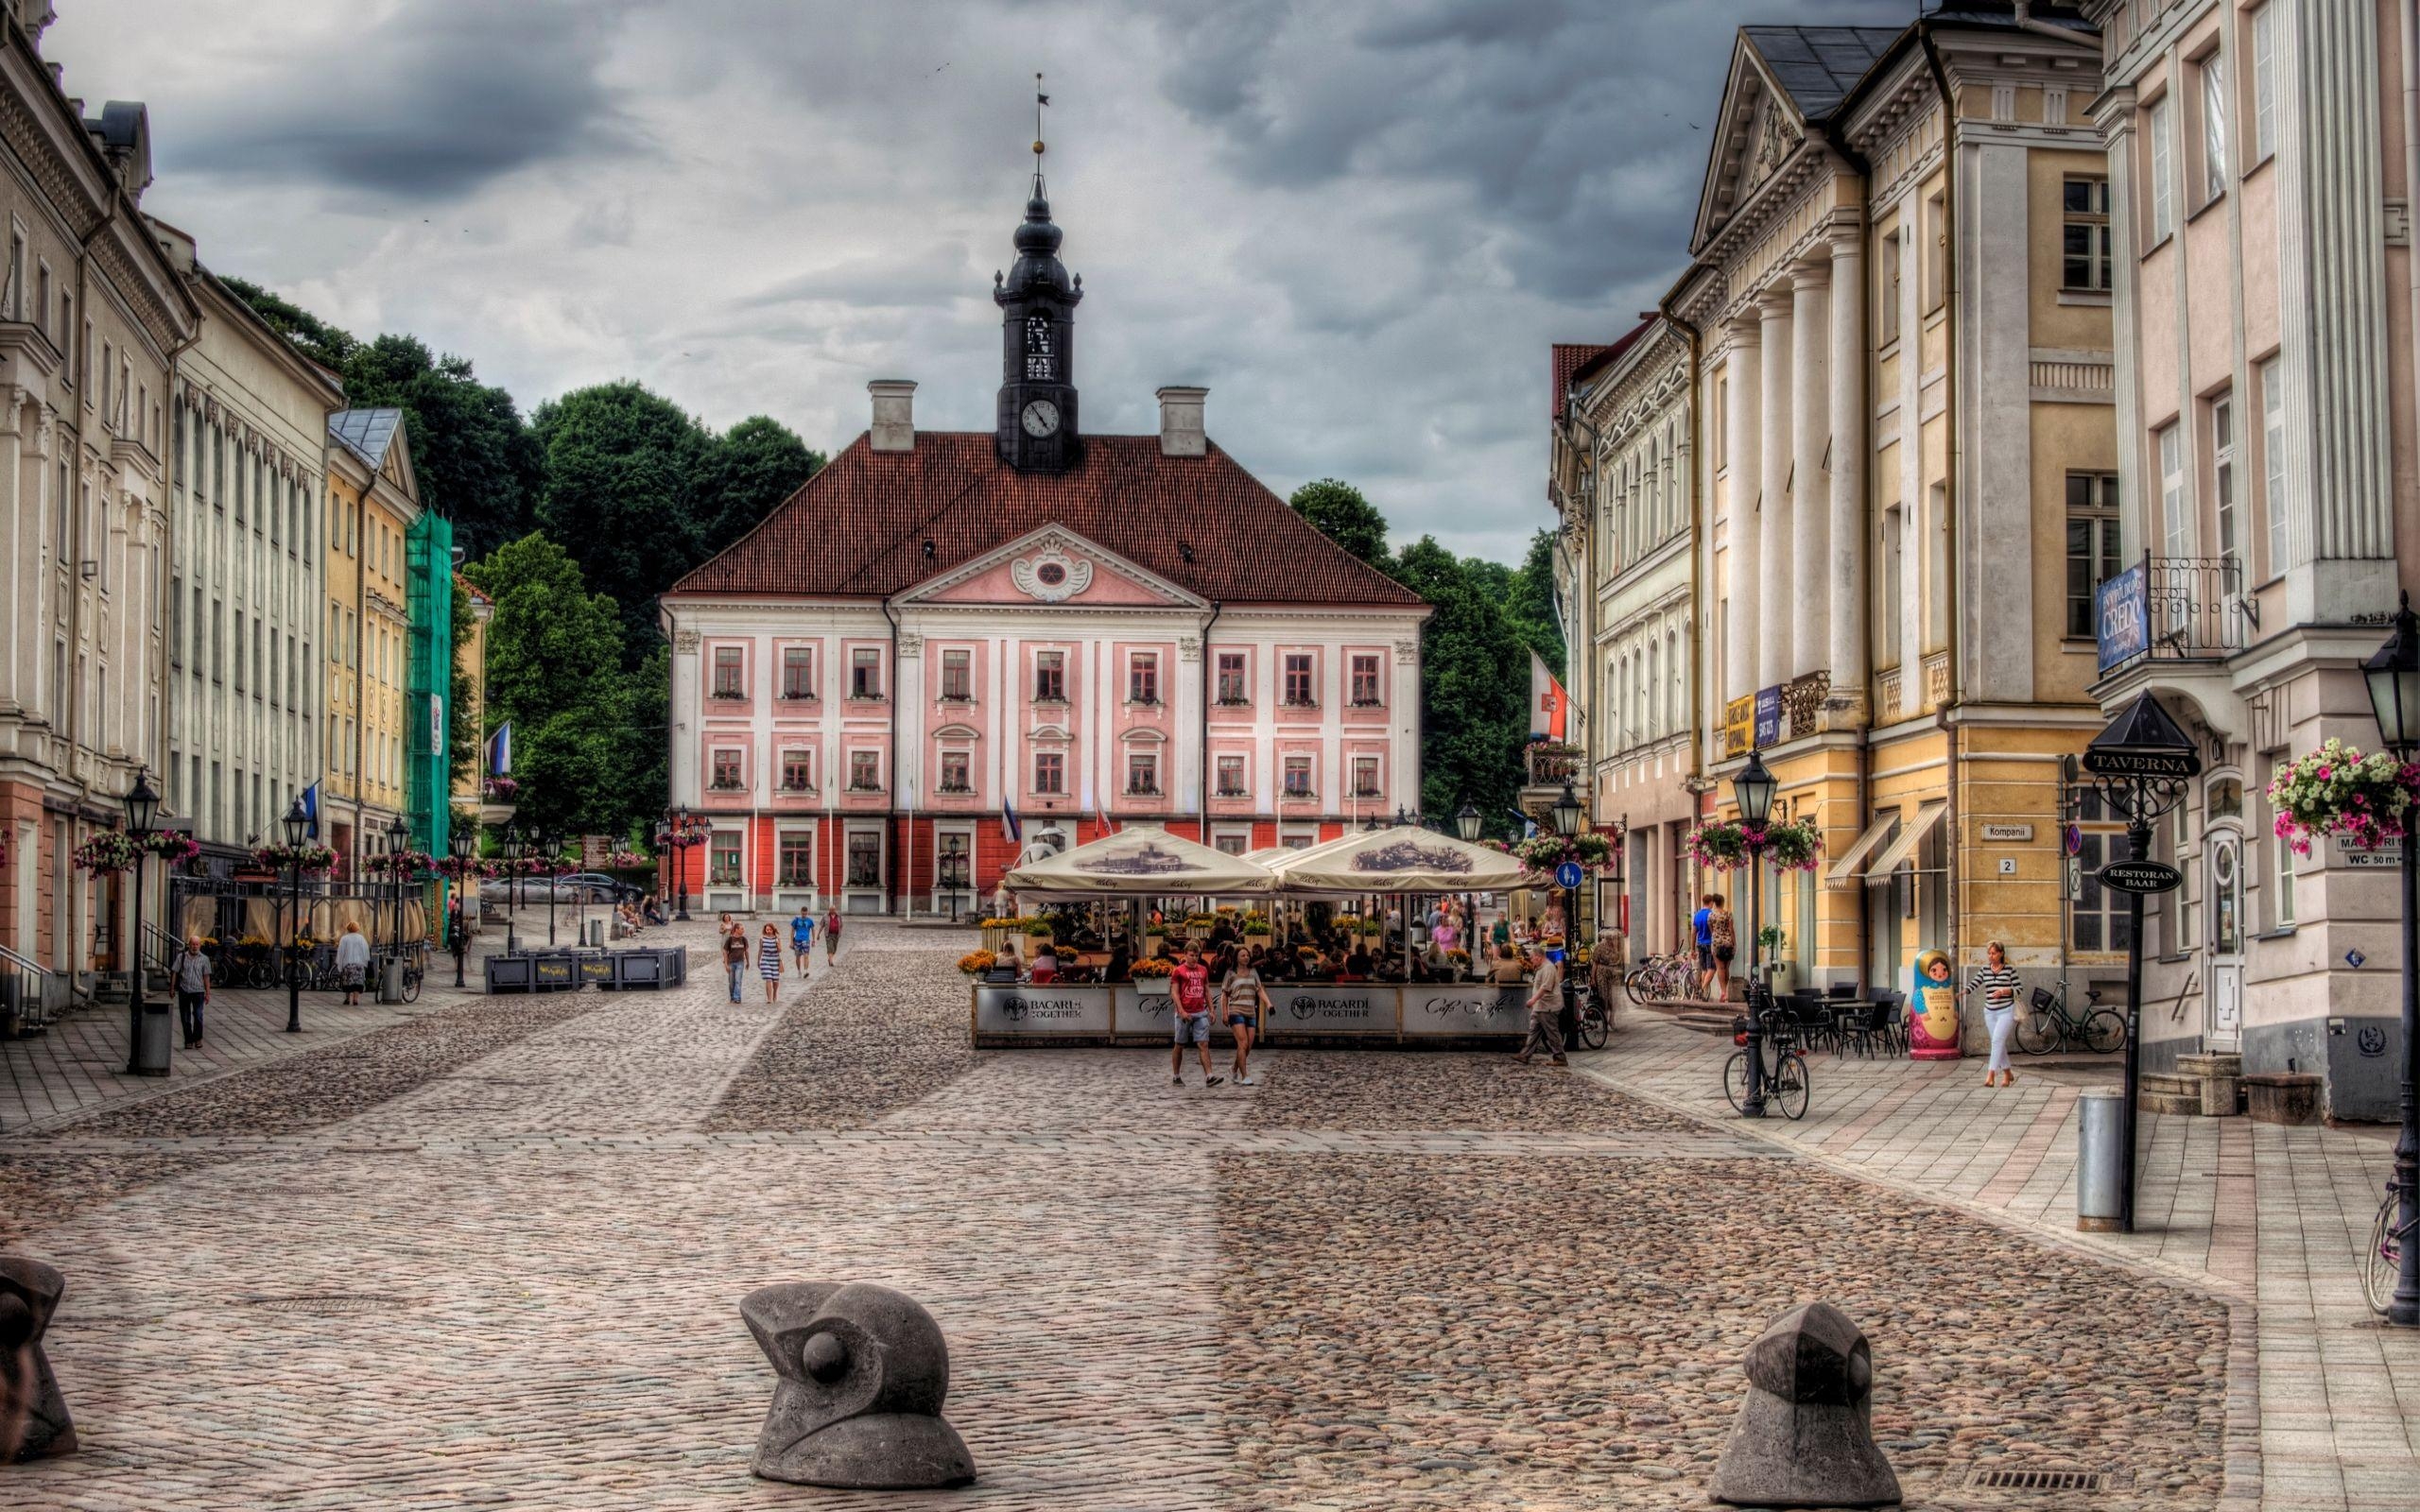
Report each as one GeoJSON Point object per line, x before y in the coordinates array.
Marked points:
{"type": "Point", "coordinates": [769, 961]}
{"type": "Point", "coordinates": [353, 960]}
{"type": "Point", "coordinates": [1724, 934]}
{"type": "Point", "coordinates": [831, 934]}
{"type": "Point", "coordinates": [1245, 1001]}
{"type": "Point", "coordinates": [1998, 983]}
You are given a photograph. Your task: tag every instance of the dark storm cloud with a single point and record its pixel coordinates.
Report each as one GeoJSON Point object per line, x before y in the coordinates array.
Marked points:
{"type": "Point", "coordinates": [432, 101]}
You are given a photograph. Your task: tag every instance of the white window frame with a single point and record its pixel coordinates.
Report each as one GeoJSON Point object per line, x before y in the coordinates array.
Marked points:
{"type": "Point", "coordinates": [2160, 143]}
{"type": "Point", "coordinates": [2210, 75]}
{"type": "Point", "coordinates": [2175, 512]}
{"type": "Point", "coordinates": [2224, 453]}
{"type": "Point", "coordinates": [2273, 445]}
{"type": "Point", "coordinates": [2264, 84]}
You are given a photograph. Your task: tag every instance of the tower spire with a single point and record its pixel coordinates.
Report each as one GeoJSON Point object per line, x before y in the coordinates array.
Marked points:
{"type": "Point", "coordinates": [1039, 99]}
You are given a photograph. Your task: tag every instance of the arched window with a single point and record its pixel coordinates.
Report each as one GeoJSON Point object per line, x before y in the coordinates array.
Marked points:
{"type": "Point", "coordinates": [1654, 531]}
{"type": "Point", "coordinates": [1678, 679]}
{"type": "Point", "coordinates": [1654, 680]}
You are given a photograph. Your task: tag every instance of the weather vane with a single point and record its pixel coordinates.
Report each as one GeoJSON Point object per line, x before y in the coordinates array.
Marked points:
{"type": "Point", "coordinates": [1039, 99]}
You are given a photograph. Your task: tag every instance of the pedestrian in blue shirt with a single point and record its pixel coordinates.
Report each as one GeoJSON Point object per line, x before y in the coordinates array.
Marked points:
{"type": "Point", "coordinates": [1702, 928]}
{"type": "Point", "coordinates": [803, 939]}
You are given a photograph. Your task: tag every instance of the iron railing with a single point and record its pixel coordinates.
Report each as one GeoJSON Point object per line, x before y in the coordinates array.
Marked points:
{"type": "Point", "coordinates": [1551, 764]}
{"type": "Point", "coordinates": [24, 994]}
{"type": "Point", "coordinates": [2194, 607]}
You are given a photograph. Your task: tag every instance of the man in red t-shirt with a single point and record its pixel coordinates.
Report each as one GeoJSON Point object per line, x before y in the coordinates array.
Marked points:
{"type": "Point", "coordinates": [1190, 984]}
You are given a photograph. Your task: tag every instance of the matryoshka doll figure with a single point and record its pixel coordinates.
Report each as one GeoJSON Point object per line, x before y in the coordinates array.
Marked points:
{"type": "Point", "coordinates": [1932, 1009]}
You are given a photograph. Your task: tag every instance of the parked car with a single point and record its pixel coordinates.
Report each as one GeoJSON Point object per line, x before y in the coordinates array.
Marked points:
{"type": "Point", "coordinates": [596, 887]}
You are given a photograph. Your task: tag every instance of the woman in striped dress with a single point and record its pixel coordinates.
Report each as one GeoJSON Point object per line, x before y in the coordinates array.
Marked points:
{"type": "Point", "coordinates": [769, 961]}
{"type": "Point", "coordinates": [1998, 981]}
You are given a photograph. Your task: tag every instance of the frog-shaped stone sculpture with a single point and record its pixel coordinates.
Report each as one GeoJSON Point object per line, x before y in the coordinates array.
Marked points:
{"type": "Point", "coordinates": [863, 1371]}
{"type": "Point", "coordinates": [1804, 1437]}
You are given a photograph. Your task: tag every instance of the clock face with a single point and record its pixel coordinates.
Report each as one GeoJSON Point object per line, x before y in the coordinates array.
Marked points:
{"type": "Point", "coordinates": [1041, 418]}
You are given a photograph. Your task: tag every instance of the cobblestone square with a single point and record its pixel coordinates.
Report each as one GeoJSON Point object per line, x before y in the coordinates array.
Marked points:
{"type": "Point", "coordinates": [492, 1256]}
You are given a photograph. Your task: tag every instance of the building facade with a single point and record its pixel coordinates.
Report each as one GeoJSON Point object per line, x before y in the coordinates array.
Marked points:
{"type": "Point", "coordinates": [389, 579]}
{"type": "Point", "coordinates": [248, 442]}
{"type": "Point", "coordinates": [90, 315]}
{"type": "Point", "coordinates": [1623, 446]}
{"type": "Point", "coordinates": [1904, 387]}
{"type": "Point", "coordinates": [940, 630]}
{"type": "Point", "coordinates": [2262, 167]}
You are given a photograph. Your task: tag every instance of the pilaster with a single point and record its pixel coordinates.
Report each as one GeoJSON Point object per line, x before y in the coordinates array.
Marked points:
{"type": "Point", "coordinates": [1810, 416]}
{"type": "Point", "coordinates": [1773, 518]}
{"type": "Point", "coordinates": [1845, 707]}
{"type": "Point", "coordinates": [1743, 372]}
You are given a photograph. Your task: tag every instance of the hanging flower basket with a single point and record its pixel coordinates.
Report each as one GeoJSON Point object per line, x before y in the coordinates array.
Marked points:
{"type": "Point", "coordinates": [105, 852]}
{"type": "Point", "coordinates": [1543, 852]}
{"type": "Point", "coordinates": [174, 846]}
{"type": "Point", "coordinates": [403, 863]}
{"type": "Point", "coordinates": [1725, 845]}
{"type": "Point", "coordinates": [311, 858]}
{"type": "Point", "coordinates": [2337, 790]}
{"type": "Point", "coordinates": [454, 870]}
{"type": "Point", "coordinates": [628, 861]}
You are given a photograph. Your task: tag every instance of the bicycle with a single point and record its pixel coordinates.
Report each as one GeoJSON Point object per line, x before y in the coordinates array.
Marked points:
{"type": "Point", "coordinates": [1662, 976]}
{"type": "Point", "coordinates": [1786, 1084]}
{"type": "Point", "coordinates": [2382, 1264]}
{"type": "Point", "coordinates": [2051, 1025]}
{"type": "Point", "coordinates": [1590, 1019]}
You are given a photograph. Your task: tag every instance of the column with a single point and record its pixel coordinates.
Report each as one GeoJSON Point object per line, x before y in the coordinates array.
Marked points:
{"type": "Point", "coordinates": [1773, 518]}
{"type": "Point", "coordinates": [25, 555]}
{"type": "Point", "coordinates": [1847, 648]}
{"type": "Point", "coordinates": [1810, 428]}
{"type": "Point", "coordinates": [1743, 372]}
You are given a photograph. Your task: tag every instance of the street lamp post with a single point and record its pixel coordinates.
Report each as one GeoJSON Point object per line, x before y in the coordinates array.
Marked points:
{"type": "Point", "coordinates": [549, 852]}
{"type": "Point", "coordinates": [2393, 676]}
{"type": "Point", "coordinates": [142, 808]}
{"type": "Point", "coordinates": [511, 886]}
{"type": "Point", "coordinates": [298, 829]}
{"type": "Point", "coordinates": [1753, 791]}
{"type": "Point", "coordinates": [465, 846]}
{"type": "Point", "coordinates": [399, 844]}
{"type": "Point", "coordinates": [680, 833]}
{"type": "Point", "coordinates": [1569, 816]}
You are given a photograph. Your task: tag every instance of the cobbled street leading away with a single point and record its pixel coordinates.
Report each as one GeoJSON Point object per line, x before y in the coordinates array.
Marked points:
{"type": "Point", "coordinates": [455, 1272]}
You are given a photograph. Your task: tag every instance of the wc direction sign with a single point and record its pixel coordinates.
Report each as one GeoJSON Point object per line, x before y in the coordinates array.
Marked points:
{"type": "Point", "coordinates": [2147, 877]}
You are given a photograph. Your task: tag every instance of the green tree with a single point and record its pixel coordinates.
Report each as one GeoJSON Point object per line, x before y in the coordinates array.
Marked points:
{"type": "Point", "coordinates": [750, 468]}
{"type": "Point", "coordinates": [1473, 688]}
{"type": "Point", "coordinates": [1528, 602]}
{"type": "Point", "coordinates": [622, 467]}
{"type": "Point", "coordinates": [321, 343]}
{"type": "Point", "coordinates": [1341, 513]}
{"type": "Point", "coordinates": [555, 671]}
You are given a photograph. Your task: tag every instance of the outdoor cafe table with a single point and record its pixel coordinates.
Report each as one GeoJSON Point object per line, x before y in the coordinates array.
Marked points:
{"type": "Point", "coordinates": [1476, 1015]}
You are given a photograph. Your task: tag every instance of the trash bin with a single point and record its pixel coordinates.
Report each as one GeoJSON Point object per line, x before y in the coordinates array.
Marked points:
{"type": "Point", "coordinates": [151, 1051]}
{"type": "Point", "coordinates": [2100, 1158]}
{"type": "Point", "coordinates": [390, 979]}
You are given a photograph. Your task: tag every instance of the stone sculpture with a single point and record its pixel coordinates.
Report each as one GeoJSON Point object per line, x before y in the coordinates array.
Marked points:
{"type": "Point", "coordinates": [1805, 1437]}
{"type": "Point", "coordinates": [33, 1416]}
{"type": "Point", "coordinates": [863, 1372]}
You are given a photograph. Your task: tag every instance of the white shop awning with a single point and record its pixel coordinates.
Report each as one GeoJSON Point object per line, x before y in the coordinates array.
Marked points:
{"type": "Point", "coordinates": [1141, 861]}
{"type": "Point", "coordinates": [1402, 858]}
{"type": "Point", "coordinates": [1853, 859]}
{"type": "Point", "coordinates": [1928, 814]}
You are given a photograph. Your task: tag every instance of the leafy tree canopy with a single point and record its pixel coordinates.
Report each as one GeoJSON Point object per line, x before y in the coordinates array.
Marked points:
{"type": "Point", "coordinates": [1473, 688]}
{"type": "Point", "coordinates": [1341, 514]}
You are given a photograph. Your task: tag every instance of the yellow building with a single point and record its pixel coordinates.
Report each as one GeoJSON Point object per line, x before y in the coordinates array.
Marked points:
{"type": "Point", "coordinates": [373, 503]}
{"type": "Point", "coordinates": [1903, 411]}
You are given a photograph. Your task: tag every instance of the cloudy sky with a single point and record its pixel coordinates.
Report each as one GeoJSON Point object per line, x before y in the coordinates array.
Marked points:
{"type": "Point", "coordinates": [1359, 222]}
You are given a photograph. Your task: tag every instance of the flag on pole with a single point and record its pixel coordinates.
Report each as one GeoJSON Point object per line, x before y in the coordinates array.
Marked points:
{"type": "Point", "coordinates": [1549, 706]}
{"type": "Point", "coordinates": [1011, 830]}
{"type": "Point", "coordinates": [500, 750]}
{"type": "Point", "coordinates": [310, 801]}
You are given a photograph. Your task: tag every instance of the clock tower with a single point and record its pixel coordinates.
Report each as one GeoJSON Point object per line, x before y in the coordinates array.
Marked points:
{"type": "Point", "coordinates": [1037, 300]}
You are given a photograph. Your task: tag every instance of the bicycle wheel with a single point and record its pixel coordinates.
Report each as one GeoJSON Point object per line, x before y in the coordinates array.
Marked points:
{"type": "Point", "coordinates": [1637, 983]}
{"type": "Point", "coordinates": [411, 984]}
{"type": "Point", "coordinates": [2383, 1259]}
{"type": "Point", "coordinates": [2105, 1030]}
{"type": "Point", "coordinates": [2038, 1031]}
{"type": "Point", "coordinates": [1592, 1028]}
{"type": "Point", "coordinates": [1792, 1089]}
{"type": "Point", "coordinates": [1735, 1079]}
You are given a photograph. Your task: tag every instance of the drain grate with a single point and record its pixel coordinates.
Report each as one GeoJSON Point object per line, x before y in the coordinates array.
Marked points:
{"type": "Point", "coordinates": [2034, 1480]}
{"type": "Point", "coordinates": [334, 1302]}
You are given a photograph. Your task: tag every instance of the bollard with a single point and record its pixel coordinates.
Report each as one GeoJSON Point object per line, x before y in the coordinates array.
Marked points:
{"type": "Point", "coordinates": [2101, 1158]}
{"type": "Point", "coordinates": [863, 1372]}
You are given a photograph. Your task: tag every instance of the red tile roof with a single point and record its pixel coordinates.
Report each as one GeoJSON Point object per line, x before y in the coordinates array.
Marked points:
{"type": "Point", "coordinates": [1574, 361]}
{"type": "Point", "coordinates": [857, 528]}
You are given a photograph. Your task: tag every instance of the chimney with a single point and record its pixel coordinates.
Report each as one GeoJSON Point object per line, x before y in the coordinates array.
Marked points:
{"type": "Point", "coordinates": [1180, 433]}
{"type": "Point", "coordinates": [894, 414]}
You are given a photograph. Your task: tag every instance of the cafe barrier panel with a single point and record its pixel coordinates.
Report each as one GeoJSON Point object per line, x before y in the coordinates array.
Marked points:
{"type": "Point", "coordinates": [1377, 1013]}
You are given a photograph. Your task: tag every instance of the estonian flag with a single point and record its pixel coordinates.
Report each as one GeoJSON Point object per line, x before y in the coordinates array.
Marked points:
{"type": "Point", "coordinates": [310, 801]}
{"type": "Point", "coordinates": [500, 750]}
{"type": "Point", "coordinates": [1010, 829]}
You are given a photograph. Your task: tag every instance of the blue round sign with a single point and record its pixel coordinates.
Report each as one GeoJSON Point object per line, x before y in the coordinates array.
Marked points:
{"type": "Point", "coordinates": [1568, 875]}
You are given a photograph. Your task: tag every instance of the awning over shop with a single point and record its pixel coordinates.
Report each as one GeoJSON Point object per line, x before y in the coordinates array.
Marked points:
{"type": "Point", "coordinates": [1928, 814]}
{"type": "Point", "coordinates": [1402, 858]}
{"type": "Point", "coordinates": [1141, 861]}
{"type": "Point", "coordinates": [1853, 859]}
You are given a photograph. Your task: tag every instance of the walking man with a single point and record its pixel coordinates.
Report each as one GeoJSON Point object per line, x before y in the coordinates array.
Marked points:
{"type": "Point", "coordinates": [1546, 1010]}
{"type": "Point", "coordinates": [735, 956]}
{"type": "Point", "coordinates": [831, 934]}
{"type": "Point", "coordinates": [1190, 983]}
{"type": "Point", "coordinates": [803, 939]}
{"type": "Point", "coordinates": [192, 973]}
{"type": "Point", "coordinates": [1702, 929]}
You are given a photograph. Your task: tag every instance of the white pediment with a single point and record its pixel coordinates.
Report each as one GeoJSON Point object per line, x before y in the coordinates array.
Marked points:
{"type": "Point", "coordinates": [1049, 567]}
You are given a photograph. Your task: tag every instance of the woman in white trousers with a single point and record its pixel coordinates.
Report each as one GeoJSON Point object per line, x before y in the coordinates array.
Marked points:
{"type": "Point", "coordinates": [1998, 981]}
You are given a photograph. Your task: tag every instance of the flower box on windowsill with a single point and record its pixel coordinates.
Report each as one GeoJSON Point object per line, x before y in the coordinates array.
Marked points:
{"type": "Point", "coordinates": [865, 698]}
{"type": "Point", "coordinates": [1050, 697]}
{"type": "Point", "coordinates": [1365, 793]}
{"type": "Point", "coordinates": [1142, 703]}
{"type": "Point", "coordinates": [1231, 792]}
{"type": "Point", "coordinates": [799, 698]}
{"type": "Point", "coordinates": [1367, 703]}
{"type": "Point", "coordinates": [1234, 703]}
{"type": "Point", "coordinates": [1143, 792]}
{"type": "Point", "coordinates": [796, 790]}
{"type": "Point", "coordinates": [959, 790]}
{"type": "Point", "coordinates": [725, 787]}
{"type": "Point", "coordinates": [1300, 703]}
{"type": "Point", "coordinates": [726, 697]}
{"type": "Point", "coordinates": [1291, 796]}
{"type": "Point", "coordinates": [956, 697]}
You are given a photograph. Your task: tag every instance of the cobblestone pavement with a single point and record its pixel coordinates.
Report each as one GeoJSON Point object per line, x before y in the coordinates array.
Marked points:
{"type": "Point", "coordinates": [514, 1280]}
{"type": "Point", "coordinates": [2275, 1216]}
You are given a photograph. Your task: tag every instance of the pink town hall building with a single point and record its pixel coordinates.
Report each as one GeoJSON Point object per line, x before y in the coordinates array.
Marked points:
{"type": "Point", "coordinates": [1089, 632]}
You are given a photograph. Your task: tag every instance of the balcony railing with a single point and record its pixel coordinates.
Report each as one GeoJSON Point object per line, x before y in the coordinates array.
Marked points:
{"type": "Point", "coordinates": [1551, 764]}
{"type": "Point", "coordinates": [2176, 609]}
